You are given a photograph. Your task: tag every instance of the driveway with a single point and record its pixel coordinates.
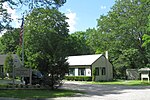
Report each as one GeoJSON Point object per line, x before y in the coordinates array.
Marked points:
{"type": "Point", "coordinates": [107, 92]}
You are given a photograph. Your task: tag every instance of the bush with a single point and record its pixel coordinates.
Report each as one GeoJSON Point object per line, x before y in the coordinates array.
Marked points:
{"type": "Point", "coordinates": [78, 78]}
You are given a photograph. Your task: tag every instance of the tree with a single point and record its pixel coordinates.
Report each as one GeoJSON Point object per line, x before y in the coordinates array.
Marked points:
{"type": "Point", "coordinates": [123, 28]}
{"type": "Point", "coordinates": [77, 44]}
{"type": "Point", "coordinates": [46, 36]}
{"type": "Point", "coordinates": [10, 41]}
{"type": "Point", "coordinates": [146, 45]}
{"type": "Point", "coordinates": [8, 66]}
{"type": "Point", "coordinates": [5, 18]}
{"type": "Point", "coordinates": [1, 46]}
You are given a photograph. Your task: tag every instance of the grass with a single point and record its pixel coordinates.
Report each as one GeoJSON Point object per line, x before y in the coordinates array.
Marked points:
{"type": "Point", "coordinates": [123, 82]}
{"type": "Point", "coordinates": [26, 94]}
{"type": "Point", "coordinates": [3, 85]}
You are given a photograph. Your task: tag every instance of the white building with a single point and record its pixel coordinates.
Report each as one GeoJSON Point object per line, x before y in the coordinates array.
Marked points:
{"type": "Point", "coordinates": [84, 64]}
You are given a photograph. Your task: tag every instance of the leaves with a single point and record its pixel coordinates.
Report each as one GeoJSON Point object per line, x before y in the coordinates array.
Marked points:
{"type": "Point", "coordinates": [5, 18]}
{"type": "Point", "coordinates": [45, 42]}
{"type": "Point", "coordinates": [8, 66]}
{"type": "Point", "coordinates": [10, 41]}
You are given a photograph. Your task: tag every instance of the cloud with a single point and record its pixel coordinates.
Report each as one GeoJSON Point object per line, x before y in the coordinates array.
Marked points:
{"type": "Point", "coordinates": [13, 14]}
{"type": "Point", "coordinates": [2, 32]}
{"type": "Point", "coordinates": [72, 20]}
{"type": "Point", "coordinates": [103, 7]}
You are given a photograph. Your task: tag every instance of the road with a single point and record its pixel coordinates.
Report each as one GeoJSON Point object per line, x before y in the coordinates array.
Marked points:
{"type": "Point", "coordinates": [107, 92]}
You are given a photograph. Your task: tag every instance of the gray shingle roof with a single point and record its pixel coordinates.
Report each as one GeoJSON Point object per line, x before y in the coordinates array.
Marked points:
{"type": "Point", "coordinates": [83, 59]}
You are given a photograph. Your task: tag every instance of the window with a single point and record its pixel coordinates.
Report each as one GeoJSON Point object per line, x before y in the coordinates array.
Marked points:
{"type": "Point", "coordinates": [97, 71]}
{"type": "Point", "coordinates": [103, 71]}
{"type": "Point", "coordinates": [81, 71]}
{"type": "Point", "coordinates": [71, 72]}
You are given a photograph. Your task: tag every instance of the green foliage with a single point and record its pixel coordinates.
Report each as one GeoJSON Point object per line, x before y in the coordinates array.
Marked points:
{"type": "Point", "coordinates": [93, 74]}
{"type": "Point", "coordinates": [32, 94]}
{"type": "Point", "coordinates": [45, 42]}
{"type": "Point", "coordinates": [10, 41]}
{"type": "Point", "coordinates": [78, 78]}
{"type": "Point", "coordinates": [8, 65]}
{"type": "Point", "coordinates": [121, 31]}
{"type": "Point", "coordinates": [123, 82]}
{"type": "Point", "coordinates": [146, 44]}
{"type": "Point", "coordinates": [77, 42]}
{"type": "Point", "coordinates": [146, 39]}
{"type": "Point", "coordinates": [1, 45]}
{"type": "Point", "coordinates": [19, 4]}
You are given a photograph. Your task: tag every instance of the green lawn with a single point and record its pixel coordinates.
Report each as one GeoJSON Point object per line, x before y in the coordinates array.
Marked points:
{"type": "Point", "coordinates": [123, 82]}
{"type": "Point", "coordinates": [25, 94]}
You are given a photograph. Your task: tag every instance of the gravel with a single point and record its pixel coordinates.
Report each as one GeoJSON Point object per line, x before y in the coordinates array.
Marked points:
{"type": "Point", "coordinates": [107, 92]}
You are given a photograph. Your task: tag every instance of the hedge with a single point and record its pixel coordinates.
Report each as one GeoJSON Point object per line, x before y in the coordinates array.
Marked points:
{"type": "Point", "coordinates": [78, 78]}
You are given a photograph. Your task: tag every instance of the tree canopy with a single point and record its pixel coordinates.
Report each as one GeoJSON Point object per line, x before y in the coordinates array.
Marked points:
{"type": "Point", "coordinates": [5, 18]}
{"type": "Point", "coordinates": [46, 36]}
{"type": "Point", "coordinates": [124, 32]}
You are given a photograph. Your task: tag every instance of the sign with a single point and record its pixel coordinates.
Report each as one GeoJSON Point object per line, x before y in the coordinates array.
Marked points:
{"type": "Point", "coordinates": [22, 72]}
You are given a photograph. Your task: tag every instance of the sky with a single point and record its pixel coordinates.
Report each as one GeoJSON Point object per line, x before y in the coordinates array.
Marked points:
{"type": "Point", "coordinates": [82, 14]}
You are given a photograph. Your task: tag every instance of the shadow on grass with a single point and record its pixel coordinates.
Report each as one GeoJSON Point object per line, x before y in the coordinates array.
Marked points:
{"type": "Point", "coordinates": [28, 94]}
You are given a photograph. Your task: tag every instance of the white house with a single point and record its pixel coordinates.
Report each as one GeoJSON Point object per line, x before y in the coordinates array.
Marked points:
{"type": "Point", "coordinates": [84, 64]}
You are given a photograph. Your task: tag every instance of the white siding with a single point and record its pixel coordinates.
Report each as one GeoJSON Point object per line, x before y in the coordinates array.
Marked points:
{"type": "Point", "coordinates": [76, 71]}
{"type": "Point", "coordinates": [88, 71]}
{"type": "Point", "coordinates": [103, 62]}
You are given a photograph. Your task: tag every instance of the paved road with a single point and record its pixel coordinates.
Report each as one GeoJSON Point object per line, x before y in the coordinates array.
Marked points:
{"type": "Point", "coordinates": [107, 92]}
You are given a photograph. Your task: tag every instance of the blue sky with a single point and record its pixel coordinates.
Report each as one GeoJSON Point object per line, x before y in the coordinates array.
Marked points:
{"type": "Point", "coordinates": [83, 14]}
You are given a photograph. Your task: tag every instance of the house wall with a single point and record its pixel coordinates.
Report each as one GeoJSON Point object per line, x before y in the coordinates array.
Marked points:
{"type": "Point", "coordinates": [101, 63]}
{"type": "Point", "coordinates": [87, 70]}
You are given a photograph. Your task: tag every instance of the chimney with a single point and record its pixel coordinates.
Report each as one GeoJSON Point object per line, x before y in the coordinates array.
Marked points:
{"type": "Point", "coordinates": [106, 54]}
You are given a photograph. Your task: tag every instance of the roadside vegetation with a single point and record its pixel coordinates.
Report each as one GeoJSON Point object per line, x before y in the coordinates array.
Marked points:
{"type": "Point", "coordinates": [124, 82]}
{"type": "Point", "coordinates": [27, 94]}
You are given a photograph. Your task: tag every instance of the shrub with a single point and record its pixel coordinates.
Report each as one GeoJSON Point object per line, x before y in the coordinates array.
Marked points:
{"type": "Point", "coordinates": [78, 78]}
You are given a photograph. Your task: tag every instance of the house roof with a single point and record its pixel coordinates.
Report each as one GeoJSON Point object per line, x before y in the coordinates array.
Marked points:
{"type": "Point", "coordinates": [83, 59]}
{"type": "Point", "coordinates": [15, 57]}
{"type": "Point", "coordinates": [144, 69]}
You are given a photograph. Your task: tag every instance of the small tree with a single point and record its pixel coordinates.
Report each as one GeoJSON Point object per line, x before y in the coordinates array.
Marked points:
{"type": "Point", "coordinates": [93, 74]}
{"type": "Point", "coordinates": [8, 65]}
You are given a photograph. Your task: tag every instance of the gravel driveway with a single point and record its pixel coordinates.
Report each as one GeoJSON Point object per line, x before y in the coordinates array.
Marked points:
{"type": "Point", "coordinates": [106, 92]}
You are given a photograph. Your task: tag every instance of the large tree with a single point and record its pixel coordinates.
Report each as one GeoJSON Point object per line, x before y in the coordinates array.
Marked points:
{"type": "Point", "coordinates": [146, 44]}
{"type": "Point", "coordinates": [5, 18]}
{"type": "Point", "coordinates": [124, 27]}
{"type": "Point", "coordinates": [45, 43]}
